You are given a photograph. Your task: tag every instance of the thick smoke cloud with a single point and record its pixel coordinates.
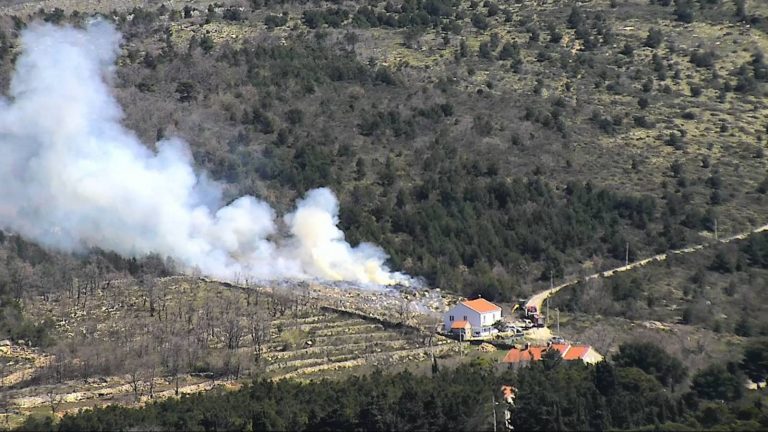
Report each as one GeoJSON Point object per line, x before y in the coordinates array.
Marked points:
{"type": "Point", "coordinates": [72, 177]}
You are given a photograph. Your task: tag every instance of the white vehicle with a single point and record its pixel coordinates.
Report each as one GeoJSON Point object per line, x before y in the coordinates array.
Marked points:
{"type": "Point", "coordinates": [527, 324]}
{"type": "Point", "coordinates": [511, 328]}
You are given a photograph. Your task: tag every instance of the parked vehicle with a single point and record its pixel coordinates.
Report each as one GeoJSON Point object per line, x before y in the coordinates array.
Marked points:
{"type": "Point", "coordinates": [531, 311]}
{"type": "Point", "coordinates": [527, 324]}
{"type": "Point", "coordinates": [517, 331]}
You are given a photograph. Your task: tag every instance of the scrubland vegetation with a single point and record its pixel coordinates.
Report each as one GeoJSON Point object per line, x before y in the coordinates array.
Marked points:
{"type": "Point", "coordinates": [642, 390]}
{"type": "Point", "coordinates": [485, 146]}
{"type": "Point", "coordinates": [490, 147]}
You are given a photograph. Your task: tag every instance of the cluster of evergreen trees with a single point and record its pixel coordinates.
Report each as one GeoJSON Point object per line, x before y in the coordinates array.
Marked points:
{"type": "Point", "coordinates": [310, 111]}
{"type": "Point", "coordinates": [451, 212]}
{"type": "Point", "coordinates": [636, 392]}
{"type": "Point", "coordinates": [316, 113]}
{"type": "Point", "coordinates": [466, 214]}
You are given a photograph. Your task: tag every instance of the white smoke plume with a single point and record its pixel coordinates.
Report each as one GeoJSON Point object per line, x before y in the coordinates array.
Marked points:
{"type": "Point", "coordinates": [72, 177]}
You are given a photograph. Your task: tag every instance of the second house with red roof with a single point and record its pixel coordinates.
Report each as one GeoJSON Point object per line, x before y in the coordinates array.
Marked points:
{"type": "Point", "coordinates": [472, 319]}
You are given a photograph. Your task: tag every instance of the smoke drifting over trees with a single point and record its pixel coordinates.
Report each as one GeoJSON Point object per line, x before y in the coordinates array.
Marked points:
{"type": "Point", "coordinates": [72, 177]}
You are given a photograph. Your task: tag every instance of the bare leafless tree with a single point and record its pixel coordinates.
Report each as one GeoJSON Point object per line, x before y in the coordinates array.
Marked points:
{"type": "Point", "coordinates": [88, 356]}
{"type": "Point", "coordinates": [138, 359]}
{"type": "Point", "coordinates": [59, 365]}
{"type": "Point", "coordinates": [403, 310]}
{"type": "Point", "coordinates": [175, 355]}
{"type": "Point", "coordinates": [209, 313]}
{"type": "Point", "coordinates": [149, 286]}
{"type": "Point", "coordinates": [151, 363]}
{"type": "Point", "coordinates": [162, 290]}
{"type": "Point", "coordinates": [135, 377]}
{"type": "Point", "coordinates": [232, 327]}
{"type": "Point", "coordinates": [259, 327]}
{"type": "Point", "coordinates": [54, 399]}
{"type": "Point", "coordinates": [304, 295]}
{"type": "Point", "coordinates": [602, 337]}
{"type": "Point", "coordinates": [239, 363]}
{"type": "Point", "coordinates": [20, 275]}
{"type": "Point", "coordinates": [48, 278]}
{"type": "Point", "coordinates": [252, 290]}
{"type": "Point", "coordinates": [278, 303]}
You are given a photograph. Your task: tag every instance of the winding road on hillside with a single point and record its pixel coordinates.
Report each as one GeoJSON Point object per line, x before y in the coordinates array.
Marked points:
{"type": "Point", "coordinates": [538, 298]}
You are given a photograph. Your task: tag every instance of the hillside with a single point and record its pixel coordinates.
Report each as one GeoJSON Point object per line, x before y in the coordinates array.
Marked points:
{"type": "Point", "coordinates": [490, 148]}
{"type": "Point", "coordinates": [720, 289]}
{"type": "Point", "coordinates": [484, 146]}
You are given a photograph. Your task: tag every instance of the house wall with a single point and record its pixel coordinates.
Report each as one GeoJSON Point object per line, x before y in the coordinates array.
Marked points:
{"type": "Point", "coordinates": [592, 357]}
{"type": "Point", "coordinates": [476, 320]}
{"type": "Point", "coordinates": [459, 312]}
{"type": "Point", "coordinates": [488, 318]}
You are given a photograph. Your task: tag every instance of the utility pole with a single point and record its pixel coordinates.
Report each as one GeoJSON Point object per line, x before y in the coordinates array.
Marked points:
{"type": "Point", "coordinates": [431, 347]}
{"type": "Point", "coordinates": [493, 401]}
{"type": "Point", "coordinates": [716, 237]}
{"type": "Point", "coordinates": [551, 287]}
{"type": "Point", "coordinates": [558, 321]}
{"type": "Point", "coordinates": [626, 256]}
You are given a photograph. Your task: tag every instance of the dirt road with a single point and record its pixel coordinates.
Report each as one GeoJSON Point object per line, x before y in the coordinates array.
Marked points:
{"type": "Point", "coordinates": [538, 298]}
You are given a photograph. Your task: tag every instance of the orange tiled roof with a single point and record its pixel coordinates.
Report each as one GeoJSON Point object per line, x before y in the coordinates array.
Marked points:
{"type": "Point", "coordinates": [516, 355]}
{"type": "Point", "coordinates": [481, 305]}
{"type": "Point", "coordinates": [460, 325]}
{"type": "Point", "coordinates": [577, 352]}
{"type": "Point", "coordinates": [569, 352]}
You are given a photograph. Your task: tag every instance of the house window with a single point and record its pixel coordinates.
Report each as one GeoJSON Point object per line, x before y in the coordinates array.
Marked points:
{"type": "Point", "coordinates": [465, 317]}
{"type": "Point", "coordinates": [450, 317]}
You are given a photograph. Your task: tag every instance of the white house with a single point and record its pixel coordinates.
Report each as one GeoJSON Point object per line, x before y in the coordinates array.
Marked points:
{"type": "Point", "coordinates": [473, 318]}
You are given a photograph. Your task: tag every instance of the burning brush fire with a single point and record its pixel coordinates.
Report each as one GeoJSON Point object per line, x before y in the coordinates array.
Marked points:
{"type": "Point", "coordinates": [72, 177]}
